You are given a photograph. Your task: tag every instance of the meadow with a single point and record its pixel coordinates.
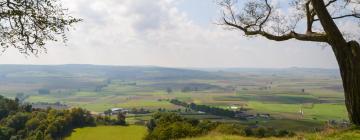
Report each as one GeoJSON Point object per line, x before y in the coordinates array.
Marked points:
{"type": "Point", "coordinates": [135, 132]}
{"type": "Point", "coordinates": [109, 133]}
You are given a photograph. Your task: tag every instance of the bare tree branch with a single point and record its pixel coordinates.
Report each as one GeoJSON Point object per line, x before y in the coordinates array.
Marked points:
{"type": "Point", "coordinates": [291, 35]}
{"type": "Point", "coordinates": [253, 21]}
{"type": "Point", "coordinates": [344, 16]}
{"type": "Point", "coordinates": [330, 2]}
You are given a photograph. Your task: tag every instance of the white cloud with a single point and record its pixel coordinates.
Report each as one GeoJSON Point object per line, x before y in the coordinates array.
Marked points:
{"type": "Point", "coordinates": [144, 32]}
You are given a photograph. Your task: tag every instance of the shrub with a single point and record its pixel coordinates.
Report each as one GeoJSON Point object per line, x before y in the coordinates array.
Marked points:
{"type": "Point", "coordinates": [231, 129]}
{"type": "Point", "coordinates": [166, 126]}
{"type": "Point", "coordinates": [248, 132]}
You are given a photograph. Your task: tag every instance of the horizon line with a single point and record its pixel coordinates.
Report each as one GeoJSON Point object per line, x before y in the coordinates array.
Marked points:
{"type": "Point", "coordinates": [179, 67]}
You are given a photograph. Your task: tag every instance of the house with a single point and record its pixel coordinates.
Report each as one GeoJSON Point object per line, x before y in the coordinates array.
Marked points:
{"type": "Point", "coordinates": [265, 116]}
{"type": "Point", "coordinates": [201, 112]}
{"type": "Point", "coordinates": [233, 107]}
{"type": "Point", "coordinates": [115, 111]}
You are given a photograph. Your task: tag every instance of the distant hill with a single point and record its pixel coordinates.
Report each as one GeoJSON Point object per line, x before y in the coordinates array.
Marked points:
{"type": "Point", "coordinates": [293, 71]}
{"type": "Point", "coordinates": [117, 72]}
{"type": "Point", "coordinates": [84, 76]}
{"type": "Point", "coordinates": [149, 72]}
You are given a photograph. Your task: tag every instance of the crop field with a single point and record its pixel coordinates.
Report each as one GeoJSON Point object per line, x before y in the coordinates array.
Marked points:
{"type": "Point", "coordinates": [109, 133]}
{"type": "Point", "coordinates": [282, 93]}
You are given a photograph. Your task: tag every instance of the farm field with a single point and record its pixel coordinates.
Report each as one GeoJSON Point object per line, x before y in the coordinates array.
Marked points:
{"type": "Point", "coordinates": [109, 133]}
{"type": "Point", "coordinates": [281, 93]}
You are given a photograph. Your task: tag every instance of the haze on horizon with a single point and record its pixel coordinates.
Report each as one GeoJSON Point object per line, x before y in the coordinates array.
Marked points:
{"type": "Point", "coordinates": [169, 33]}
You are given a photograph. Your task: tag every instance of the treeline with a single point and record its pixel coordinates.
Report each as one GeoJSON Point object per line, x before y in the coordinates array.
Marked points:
{"type": "Point", "coordinates": [22, 122]}
{"type": "Point", "coordinates": [167, 126]}
{"type": "Point", "coordinates": [205, 108]}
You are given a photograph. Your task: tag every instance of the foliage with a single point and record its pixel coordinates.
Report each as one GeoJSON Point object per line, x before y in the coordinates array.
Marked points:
{"type": "Point", "coordinates": [7, 106]}
{"type": "Point", "coordinates": [27, 24]}
{"type": "Point", "coordinates": [251, 131]}
{"type": "Point", "coordinates": [166, 126]}
{"type": "Point", "coordinates": [18, 122]}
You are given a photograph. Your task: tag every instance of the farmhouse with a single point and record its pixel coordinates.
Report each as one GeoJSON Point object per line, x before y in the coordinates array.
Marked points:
{"type": "Point", "coordinates": [115, 111]}
{"type": "Point", "coordinates": [234, 107]}
{"type": "Point", "coordinates": [201, 112]}
{"type": "Point", "coordinates": [265, 116]}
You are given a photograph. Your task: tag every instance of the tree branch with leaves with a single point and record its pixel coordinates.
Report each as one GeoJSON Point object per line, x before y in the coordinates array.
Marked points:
{"type": "Point", "coordinates": [28, 25]}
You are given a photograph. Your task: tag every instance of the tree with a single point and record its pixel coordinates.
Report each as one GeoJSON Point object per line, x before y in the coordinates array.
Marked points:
{"type": "Point", "coordinates": [151, 125]}
{"type": "Point", "coordinates": [28, 24]}
{"type": "Point", "coordinates": [319, 18]}
{"type": "Point", "coordinates": [107, 112]}
{"type": "Point", "coordinates": [168, 90]}
{"type": "Point", "coordinates": [121, 119]}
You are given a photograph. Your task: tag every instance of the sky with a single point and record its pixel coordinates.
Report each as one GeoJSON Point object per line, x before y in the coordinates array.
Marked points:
{"type": "Point", "coordinates": [168, 33]}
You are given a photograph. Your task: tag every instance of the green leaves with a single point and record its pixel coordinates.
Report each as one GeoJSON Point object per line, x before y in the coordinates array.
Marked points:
{"type": "Point", "coordinates": [29, 24]}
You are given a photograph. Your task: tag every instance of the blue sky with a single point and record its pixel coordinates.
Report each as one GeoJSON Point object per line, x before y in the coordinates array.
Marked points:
{"type": "Point", "coordinates": [170, 33]}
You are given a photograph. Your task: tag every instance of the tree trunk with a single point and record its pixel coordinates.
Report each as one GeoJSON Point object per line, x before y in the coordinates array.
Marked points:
{"type": "Point", "coordinates": [348, 58]}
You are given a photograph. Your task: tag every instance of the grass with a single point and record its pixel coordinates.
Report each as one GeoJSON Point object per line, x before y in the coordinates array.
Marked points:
{"type": "Point", "coordinates": [43, 98]}
{"type": "Point", "coordinates": [321, 112]}
{"type": "Point", "coordinates": [215, 136]}
{"type": "Point", "coordinates": [294, 125]}
{"type": "Point", "coordinates": [101, 106]}
{"type": "Point", "coordinates": [132, 132]}
{"type": "Point", "coordinates": [352, 134]}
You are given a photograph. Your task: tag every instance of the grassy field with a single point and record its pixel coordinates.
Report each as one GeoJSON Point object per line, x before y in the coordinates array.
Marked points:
{"type": "Point", "coordinates": [109, 133]}
{"type": "Point", "coordinates": [138, 132]}
{"type": "Point", "coordinates": [327, 135]}
{"type": "Point", "coordinates": [283, 100]}
{"type": "Point", "coordinates": [231, 137]}
{"type": "Point", "coordinates": [321, 112]}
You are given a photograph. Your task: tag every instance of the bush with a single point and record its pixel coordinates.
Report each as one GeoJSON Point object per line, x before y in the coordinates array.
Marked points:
{"type": "Point", "coordinates": [230, 129]}
{"type": "Point", "coordinates": [248, 132]}
{"type": "Point", "coordinates": [261, 132]}
{"type": "Point", "coordinates": [165, 126]}
{"type": "Point", "coordinates": [17, 122]}
{"type": "Point", "coordinates": [285, 133]}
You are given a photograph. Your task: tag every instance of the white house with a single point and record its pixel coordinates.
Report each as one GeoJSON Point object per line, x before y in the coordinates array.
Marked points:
{"type": "Point", "coordinates": [118, 110]}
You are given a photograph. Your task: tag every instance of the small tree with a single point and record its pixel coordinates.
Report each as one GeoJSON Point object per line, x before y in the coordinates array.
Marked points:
{"type": "Point", "coordinates": [260, 18]}
{"type": "Point", "coordinates": [151, 125]}
{"type": "Point", "coordinates": [107, 112]}
{"type": "Point", "coordinates": [121, 119]}
{"type": "Point", "coordinates": [168, 90]}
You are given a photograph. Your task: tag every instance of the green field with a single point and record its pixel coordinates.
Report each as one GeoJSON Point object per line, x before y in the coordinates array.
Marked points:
{"type": "Point", "coordinates": [282, 93]}
{"type": "Point", "coordinates": [138, 132]}
{"type": "Point", "coordinates": [109, 133]}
